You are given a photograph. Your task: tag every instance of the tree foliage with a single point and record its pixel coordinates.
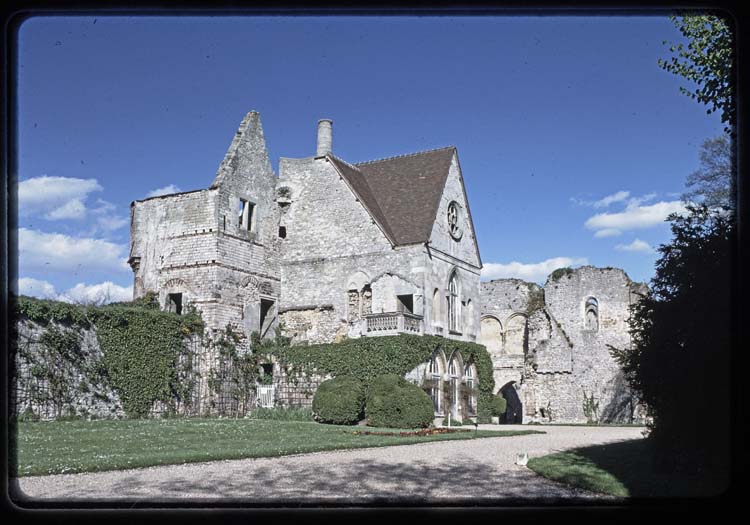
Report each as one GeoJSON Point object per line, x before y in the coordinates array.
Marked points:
{"type": "Point", "coordinates": [706, 61]}
{"type": "Point", "coordinates": [714, 183]}
{"type": "Point", "coordinates": [681, 336]}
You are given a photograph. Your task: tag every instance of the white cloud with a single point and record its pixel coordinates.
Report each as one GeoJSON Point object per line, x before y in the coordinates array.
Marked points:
{"type": "Point", "coordinates": [635, 216]}
{"type": "Point", "coordinates": [55, 251]}
{"type": "Point", "coordinates": [101, 293]}
{"type": "Point", "coordinates": [610, 199]}
{"type": "Point", "coordinates": [604, 202]}
{"type": "Point", "coordinates": [36, 288]}
{"type": "Point", "coordinates": [81, 293]}
{"type": "Point", "coordinates": [607, 232]}
{"type": "Point", "coordinates": [636, 246]}
{"type": "Point", "coordinates": [70, 210]}
{"type": "Point", "coordinates": [112, 223]}
{"type": "Point", "coordinates": [166, 190]}
{"type": "Point", "coordinates": [56, 197]}
{"type": "Point", "coordinates": [534, 272]}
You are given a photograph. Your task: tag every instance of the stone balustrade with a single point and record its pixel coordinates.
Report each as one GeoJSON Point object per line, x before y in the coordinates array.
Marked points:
{"type": "Point", "coordinates": [392, 323]}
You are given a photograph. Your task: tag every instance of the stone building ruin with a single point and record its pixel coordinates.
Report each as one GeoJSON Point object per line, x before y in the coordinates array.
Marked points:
{"type": "Point", "coordinates": [329, 250]}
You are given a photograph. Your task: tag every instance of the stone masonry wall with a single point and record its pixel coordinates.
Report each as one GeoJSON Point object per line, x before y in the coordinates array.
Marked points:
{"type": "Point", "coordinates": [563, 358]}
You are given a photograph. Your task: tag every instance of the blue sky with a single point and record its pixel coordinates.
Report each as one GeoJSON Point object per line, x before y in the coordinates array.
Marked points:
{"type": "Point", "coordinates": [573, 143]}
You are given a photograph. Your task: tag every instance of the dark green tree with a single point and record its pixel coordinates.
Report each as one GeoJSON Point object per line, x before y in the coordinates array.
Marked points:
{"type": "Point", "coordinates": [706, 61]}
{"type": "Point", "coordinates": [682, 336]}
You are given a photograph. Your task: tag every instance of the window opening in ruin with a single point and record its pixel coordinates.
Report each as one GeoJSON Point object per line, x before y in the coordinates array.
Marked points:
{"type": "Point", "coordinates": [267, 369]}
{"type": "Point", "coordinates": [591, 319]}
{"type": "Point", "coordinates": [453, 303]}
{"type": "Point", "coordinates": [174, 303]}
{"type": "Point", "coordinates": [265, 308]}
{"type": "Point", "coordinates": [405, 303]}
{"type": "Point", "coordinates": [246, 214]}
{"type": "Point", "coordinates": [282, 232]}
{"type": "Point", "coordinates": [366, 300]}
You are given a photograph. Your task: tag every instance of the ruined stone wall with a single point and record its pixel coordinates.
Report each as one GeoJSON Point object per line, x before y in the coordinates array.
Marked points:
{"type": "Point", "coordinates": [506, 306]}
{"type": "Point", "coordinates": [593, 370]}
{"type": "Point", "coordinates": [564, 359]}
{"type": "Point", "coordinates": [194, 243]}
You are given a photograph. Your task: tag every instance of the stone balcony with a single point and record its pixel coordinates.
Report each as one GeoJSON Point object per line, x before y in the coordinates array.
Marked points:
{"type": "Point", "coordinates": [392, 323]}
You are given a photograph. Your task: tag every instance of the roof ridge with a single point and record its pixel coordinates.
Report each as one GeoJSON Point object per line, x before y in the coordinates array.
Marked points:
{"type": "Point", "coordinates": [342, 160]}
{"type": "Point", "coordinates": [404, 155]}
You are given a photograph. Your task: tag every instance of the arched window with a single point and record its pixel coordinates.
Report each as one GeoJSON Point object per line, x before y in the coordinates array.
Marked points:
{"type": "Point", "coordinates": [491, 335]}
{"type": "Point", "coordinates": [515, 335]}
{"type": "Point", "coordinates": [453, 303]}
{"type": "Point", "coordinates": [436, 319]}
{"type": "Point", "coordinates": [591, 315]}
{"type": "Point", "coordinates": [455, 369]}
{"type": "Point", "coordinates": [470, 377]}
{"type": "Point", "coordinates": [435, 375]}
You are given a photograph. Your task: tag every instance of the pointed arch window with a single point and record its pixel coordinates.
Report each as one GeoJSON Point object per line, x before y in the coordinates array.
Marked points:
{"type": "Point", "coordinates": [435, 374]}
{"type": "Point", "coordinates": [470, 376]}
{"type": "Point", "coordinates": [591, 315]}
{"type": "Point", "coordinates": [453, 302]}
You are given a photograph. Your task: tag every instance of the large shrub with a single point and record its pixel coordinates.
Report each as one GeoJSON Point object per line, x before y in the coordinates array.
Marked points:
{"type": "Point", "coordinates": [339, 401]}
{"type": "Point", "coordinates": [499, 404]}
{"type": "Point", "coordinates": [394, 402]}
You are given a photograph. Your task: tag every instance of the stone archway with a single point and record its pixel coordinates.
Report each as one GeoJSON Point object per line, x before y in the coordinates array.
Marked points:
{"type": "Point", "coordinates": [514, 408]}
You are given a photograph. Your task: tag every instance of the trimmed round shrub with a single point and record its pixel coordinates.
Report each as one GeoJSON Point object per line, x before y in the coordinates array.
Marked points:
{"type": "Point", "coordinates": [394, 402]}
{"type": "Point", "coordinates": [339, 401]}
{"type": "Point", "coordinates": [499, 404]}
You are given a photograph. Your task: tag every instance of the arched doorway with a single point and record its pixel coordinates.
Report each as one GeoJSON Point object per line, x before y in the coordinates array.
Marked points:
{"type": "Point", "coordinates": [513, 407]}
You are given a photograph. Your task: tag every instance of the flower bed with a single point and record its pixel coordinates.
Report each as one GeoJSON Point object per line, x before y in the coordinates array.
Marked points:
{"type": "Point", "coordinates": [422, 432]}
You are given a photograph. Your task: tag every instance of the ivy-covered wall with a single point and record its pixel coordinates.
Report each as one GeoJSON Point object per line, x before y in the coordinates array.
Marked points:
{"type": "Point", "coordinates": [119, 359]}
{"type": "Point", "coordinates": [369, 357]}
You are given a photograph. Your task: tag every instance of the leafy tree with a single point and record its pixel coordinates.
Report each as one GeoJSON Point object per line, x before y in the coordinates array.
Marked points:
{"type": "Point", "coordinates": [713, 184]}
{"type": "Point", "coordinates": [706, 61]}
{"type": "Point", "coordinates": [681, 332]}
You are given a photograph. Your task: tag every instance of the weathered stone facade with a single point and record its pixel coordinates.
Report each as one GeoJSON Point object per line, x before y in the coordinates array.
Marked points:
{"type": "Point", "coordinates": [315, 252]}
{"type": "Point", "coordinates": [329, 250]}
{"type": "Point", "coordinates": [552, 345]}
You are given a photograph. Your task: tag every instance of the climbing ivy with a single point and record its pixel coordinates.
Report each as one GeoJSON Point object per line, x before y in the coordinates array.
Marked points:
{"type": "Point", "coordinates": [368, 357]}
{"type": "Point", "coordinates": [140, 347]}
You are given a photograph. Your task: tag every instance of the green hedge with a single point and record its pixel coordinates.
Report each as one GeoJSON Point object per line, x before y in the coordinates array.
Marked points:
{"type": "Point", "coordinates": [394, 402]}
{"type": "Point", "coordinates": [140, 345]}
{"type": "Point", "coordinates": [368, 357]}
{"type": "Point", "coordinates": [339, 401]}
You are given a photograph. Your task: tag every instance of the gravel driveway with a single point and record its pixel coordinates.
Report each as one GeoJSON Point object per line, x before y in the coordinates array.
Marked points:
{"type": "Point", "coordinates": [481, 471]}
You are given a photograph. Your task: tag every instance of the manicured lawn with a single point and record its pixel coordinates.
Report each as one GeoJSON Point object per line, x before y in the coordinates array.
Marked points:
{"type": "Point", "coordinates": [89, 446]}
{"type": "Point", "coordinates": [625, 469]}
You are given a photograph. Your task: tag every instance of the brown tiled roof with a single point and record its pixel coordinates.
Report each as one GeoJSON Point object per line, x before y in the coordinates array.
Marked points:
{"type": "Point", "coordinates": [402, 193]}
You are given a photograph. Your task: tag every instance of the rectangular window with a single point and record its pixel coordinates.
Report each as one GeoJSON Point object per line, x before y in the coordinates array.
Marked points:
{"type": "Point", "coordinates": [174, 303]}
{"type": "Point", "coordinates": [282, 232]}
{"type": "Point", "coordinates": [246, 212]}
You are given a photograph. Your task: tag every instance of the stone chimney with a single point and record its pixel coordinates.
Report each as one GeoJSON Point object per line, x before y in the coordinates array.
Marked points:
{"type": "Point", "coordinates": [325, 137]}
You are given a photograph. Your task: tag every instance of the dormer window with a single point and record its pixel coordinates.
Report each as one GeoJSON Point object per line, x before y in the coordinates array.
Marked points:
{"type": "Point", "coordinates": [247, 211]}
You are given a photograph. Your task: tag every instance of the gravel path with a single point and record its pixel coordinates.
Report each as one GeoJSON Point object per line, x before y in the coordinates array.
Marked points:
{"type": "Point", "coordinates": [481, 471]}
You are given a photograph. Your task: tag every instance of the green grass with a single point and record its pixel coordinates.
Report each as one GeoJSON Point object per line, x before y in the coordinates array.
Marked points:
{"type": "Point", "coordinates": [56, 447]}
{"type": "Point", "coordinates": [624, 469]}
